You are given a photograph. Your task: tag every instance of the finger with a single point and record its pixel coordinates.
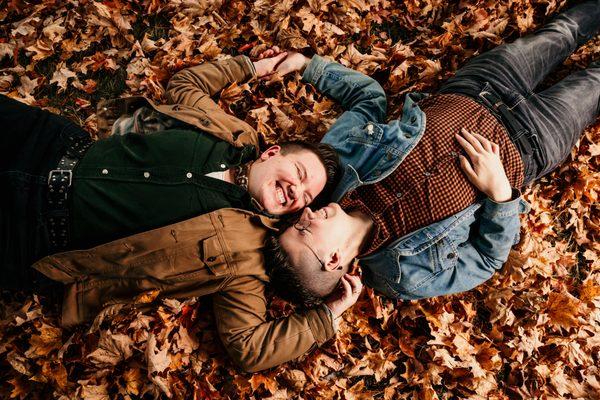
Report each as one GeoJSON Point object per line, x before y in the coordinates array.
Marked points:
{"type": "Point", "coordinates": [496, 149]}
{"type": "Point", "coordinates": [276, 49]}
{"type": "Point", "coordinates": [279, 58]}
{"type": "Point", "coordinates": [485, 143]}
{"type": "Point", "coordinates": [471, 152]}
{"type": "Point", "coordinates": [472, 139]}
{"type": "Point", "coordinates": [346, 287]}
{"type": "Point", "coordinates": [266, 76]}
{"type": "Point", "coordinates": [467, 168]}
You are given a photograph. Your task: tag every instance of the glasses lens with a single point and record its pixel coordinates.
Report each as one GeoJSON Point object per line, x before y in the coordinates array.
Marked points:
{"type": "Point", "coordinates": [302, 225]}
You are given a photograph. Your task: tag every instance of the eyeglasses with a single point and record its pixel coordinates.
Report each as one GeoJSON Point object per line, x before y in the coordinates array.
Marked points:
{"type": "Point", "coordinates": [301, 226]}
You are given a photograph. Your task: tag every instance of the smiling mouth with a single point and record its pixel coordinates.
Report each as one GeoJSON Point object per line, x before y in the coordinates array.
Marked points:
{"type": "Point", "coordinates": [280, 194]}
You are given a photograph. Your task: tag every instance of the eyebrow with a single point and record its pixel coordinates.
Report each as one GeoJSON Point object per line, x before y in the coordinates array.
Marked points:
{"type": "Point", "coordinates": [305, 175]}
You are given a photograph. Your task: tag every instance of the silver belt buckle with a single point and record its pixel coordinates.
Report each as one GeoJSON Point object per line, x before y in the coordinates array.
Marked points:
{"type": "Point", "coordinates": [61, 171]}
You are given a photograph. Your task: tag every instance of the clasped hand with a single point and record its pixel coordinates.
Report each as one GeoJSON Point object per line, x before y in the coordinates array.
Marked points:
{"type": "Point", "coordinates": [484, 167]}
{"type": "Point", "coordinates": [273, 64]}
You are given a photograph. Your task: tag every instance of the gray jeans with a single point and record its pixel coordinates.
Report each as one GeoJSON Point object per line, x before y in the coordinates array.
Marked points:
{"type": "Point", "coordinates": [557, 115]}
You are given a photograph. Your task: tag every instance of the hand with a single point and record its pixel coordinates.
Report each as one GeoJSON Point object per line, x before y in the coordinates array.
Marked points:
{"type": "Point", "coordinates": [265, 67]}
{"type": "Point", "coordinates": [273, 51]}
{"type": "Point", "coordinates": [345, 295]}
{"type": "Point", "coordinates": [293, 62]}
{"type": "Point", "coordinates": [485, 170]}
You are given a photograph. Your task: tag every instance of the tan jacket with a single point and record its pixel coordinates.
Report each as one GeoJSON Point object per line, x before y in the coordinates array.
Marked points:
{"type": "Point", "coordinates": [189, 95]}
{"type": "Point", "coordinates": [218, 254]}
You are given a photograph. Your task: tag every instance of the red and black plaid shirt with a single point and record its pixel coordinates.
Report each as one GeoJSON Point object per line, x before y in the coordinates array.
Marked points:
{"type": "Point", "coordinates": [429, 184]}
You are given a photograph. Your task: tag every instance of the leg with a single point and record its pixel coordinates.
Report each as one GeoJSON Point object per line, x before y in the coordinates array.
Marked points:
{"type": "Point", "coordinates": [515, 69]}
{"type": "Point", "coordinates": [560, 113]}
{"type": "Point", "coordinates": [31, 143]}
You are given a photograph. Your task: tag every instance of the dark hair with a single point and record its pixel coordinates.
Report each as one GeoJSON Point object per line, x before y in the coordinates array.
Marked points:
{"type": "Point", "coordinates": [328, 157]}
{"type": "Point", "coordinates": [285, 281]}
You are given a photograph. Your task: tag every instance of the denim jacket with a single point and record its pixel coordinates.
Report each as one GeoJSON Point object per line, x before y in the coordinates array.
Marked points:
{"type": "Point", "coordinates": [449, 256]}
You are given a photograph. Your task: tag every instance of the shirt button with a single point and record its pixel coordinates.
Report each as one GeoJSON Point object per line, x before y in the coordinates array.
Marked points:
{"type": "Point", "coordinates": [189, 175]}
{"type": "Point", "coordinates": [223, 166]}
{"type": "Point", "coordinates": [146, 175]}
{"type": "Point", "coordinates": [104, 171]}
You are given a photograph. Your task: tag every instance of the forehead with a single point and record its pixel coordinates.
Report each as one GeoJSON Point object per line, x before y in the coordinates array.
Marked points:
{"type": "Point", "coordinates": [311, 162]}
{"type": "Point", "coordinates": [303, 156]}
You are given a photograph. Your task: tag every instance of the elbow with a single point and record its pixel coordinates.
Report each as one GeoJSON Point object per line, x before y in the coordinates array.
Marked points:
{"type": "Point", "coordinates": [246, 361]}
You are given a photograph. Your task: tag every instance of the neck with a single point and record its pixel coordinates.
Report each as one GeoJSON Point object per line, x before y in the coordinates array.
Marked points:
{"type": "Point", "coordinates": [362, 225]}
{"type": "Point", "coordinates": [229, 175]}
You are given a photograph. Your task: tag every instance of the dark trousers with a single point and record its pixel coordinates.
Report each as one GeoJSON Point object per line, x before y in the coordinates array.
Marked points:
{"type": "Point", "coordinates": [32, 141]}
{"type": "Point", "coordinates": [557, 115]}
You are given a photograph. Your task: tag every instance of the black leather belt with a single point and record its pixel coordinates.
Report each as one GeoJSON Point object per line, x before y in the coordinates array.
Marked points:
{"type": "Point", "coordinates": [59, 184]}
{"type": "Point", "coordinates": [525, 140]}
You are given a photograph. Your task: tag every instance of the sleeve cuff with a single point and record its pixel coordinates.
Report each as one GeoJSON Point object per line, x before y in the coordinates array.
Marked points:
{"type": "Point", "coordinates": [321, 324]}
{"type": "Point", "coordinates": [314, 69]}
{"type": "Point", "coordinates": [506, 209]}
{"type": "Point", "coordinates": [247, 66]}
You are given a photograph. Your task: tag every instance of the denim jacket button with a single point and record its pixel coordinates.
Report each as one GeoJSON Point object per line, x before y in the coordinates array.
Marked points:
{"type": "Point", "coordinates": [451, 256]}
{"type": "Point", "coordinates": [369, 129]}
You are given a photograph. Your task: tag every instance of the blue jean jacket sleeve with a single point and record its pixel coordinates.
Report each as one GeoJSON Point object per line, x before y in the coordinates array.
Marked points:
{"type": "Point", "coordinates": [361, 97]}
{"type": "Point", "coordinates": [486, 251]}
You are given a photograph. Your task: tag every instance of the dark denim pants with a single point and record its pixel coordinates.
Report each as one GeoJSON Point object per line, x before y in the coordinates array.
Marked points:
{"type": "Point", "coordinates": [557, 115]}
{"type": "Point", "coordinates": [32, 141]}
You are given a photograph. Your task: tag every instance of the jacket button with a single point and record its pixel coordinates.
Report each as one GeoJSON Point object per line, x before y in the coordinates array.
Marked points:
{"type": "Point", "coordinates": [223, 166]}
{"type": "Point", "coordinates": [146, 175]}
{"type": "Point", "coordinates": [189, 175]}
{"type": "Point", "coordinates": [369, 129]}
{"type": "Point", "coordinates": [211, 258]}
{"type": "Point", "coordinates": [104, 171]}
{"type": "Point", "coordinates": [451, 256]}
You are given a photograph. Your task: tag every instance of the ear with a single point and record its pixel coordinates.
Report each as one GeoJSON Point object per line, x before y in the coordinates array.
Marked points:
{"type": "Point", "coordinates": [270, 152]}
{"type": "Point", "coordinates": [334, 262]}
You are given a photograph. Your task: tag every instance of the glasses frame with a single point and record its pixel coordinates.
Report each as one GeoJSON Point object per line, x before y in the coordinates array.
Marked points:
{"type": "Point", "coordinates": [303, 226]}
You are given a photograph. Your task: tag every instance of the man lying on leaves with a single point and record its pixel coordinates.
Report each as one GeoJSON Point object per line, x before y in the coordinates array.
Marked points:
{"type": "Point", "coordinates": [156, 194]}
{"type": "Point", "coordinates": [63, 191]}
{"type": "Point", "coordinates": [426, 206]}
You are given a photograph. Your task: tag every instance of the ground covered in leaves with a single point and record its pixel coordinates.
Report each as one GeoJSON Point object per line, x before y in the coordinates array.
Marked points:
{"type": "Point", "coordinates": [533, 331]}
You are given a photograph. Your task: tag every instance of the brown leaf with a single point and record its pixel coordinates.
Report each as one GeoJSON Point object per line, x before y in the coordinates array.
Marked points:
{"type": "Point", "coordinates": [563, 310]}
{"type": "Point", "coordinates": [46, 341]}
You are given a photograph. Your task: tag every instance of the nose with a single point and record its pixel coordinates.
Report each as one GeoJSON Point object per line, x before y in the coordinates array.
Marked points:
{"type": "Point", "coordinates": [309, 214]}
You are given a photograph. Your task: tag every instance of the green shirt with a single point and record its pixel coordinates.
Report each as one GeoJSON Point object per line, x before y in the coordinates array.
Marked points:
{"type": "Point", "coordinates": [133, 183]}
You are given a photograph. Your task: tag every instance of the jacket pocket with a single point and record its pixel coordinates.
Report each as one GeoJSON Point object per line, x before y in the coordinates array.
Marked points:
{"type": "Point", "coordinates": [370, 133]}
{"type": "Point", "coordinates": [213, 256]}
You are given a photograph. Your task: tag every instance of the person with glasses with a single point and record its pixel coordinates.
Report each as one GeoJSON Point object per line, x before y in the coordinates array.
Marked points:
{"type": "Point", "coordinates": [429, 203]}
